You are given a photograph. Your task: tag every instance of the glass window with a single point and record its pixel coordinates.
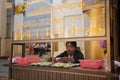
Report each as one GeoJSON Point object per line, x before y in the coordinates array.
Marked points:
{"type": "Point", "coordinates": [52, 19]}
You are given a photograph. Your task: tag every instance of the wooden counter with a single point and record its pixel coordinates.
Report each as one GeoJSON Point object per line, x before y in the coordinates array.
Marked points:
{"type": "Point", "coordinates": [3, 69]}
{"type": "Point", "coordinates": [48, 73]}
{"type": "Point", "coordinates": [4, 57]}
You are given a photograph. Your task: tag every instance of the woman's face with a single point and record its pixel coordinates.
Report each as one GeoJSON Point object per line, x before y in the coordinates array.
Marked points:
{"type": "Point", "coordinates": [70, 48]}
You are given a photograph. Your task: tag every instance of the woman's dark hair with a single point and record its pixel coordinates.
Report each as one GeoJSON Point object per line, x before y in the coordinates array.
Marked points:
{"type": "Point", "coordinates": [73, 43]}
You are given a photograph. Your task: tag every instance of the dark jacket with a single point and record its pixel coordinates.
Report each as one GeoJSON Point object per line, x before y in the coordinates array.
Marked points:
{"type": "Point", "coordinates": [77, 56]}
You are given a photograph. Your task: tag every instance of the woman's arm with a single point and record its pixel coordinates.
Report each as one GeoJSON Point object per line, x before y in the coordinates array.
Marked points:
{"type": "Point", "coordinates": [78, 56]}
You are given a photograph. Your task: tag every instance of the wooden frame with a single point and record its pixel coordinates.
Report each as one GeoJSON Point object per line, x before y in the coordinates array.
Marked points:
{"type": "Point", "coordinates": [41, 73]}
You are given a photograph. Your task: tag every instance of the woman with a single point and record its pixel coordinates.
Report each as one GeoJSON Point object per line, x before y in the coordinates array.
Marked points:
{"type": "Point", "coordinates": [71, 54]}
{"type": "Point", "coordinates": [30, 50]}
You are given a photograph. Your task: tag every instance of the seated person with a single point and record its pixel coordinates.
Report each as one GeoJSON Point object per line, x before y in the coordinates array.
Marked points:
{"type": "Point", "coordinates": [36, 47]}
{"type": "Point", "coordinates": [71, 54]}
{"type": "Point", "coordinates": [42, 49]}
{"type": "Point", "coordinates": [39, 48]}
{"type": "Point", "coordinates": [30, 50]}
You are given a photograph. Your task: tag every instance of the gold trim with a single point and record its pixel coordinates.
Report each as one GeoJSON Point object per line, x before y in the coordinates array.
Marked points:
{"type": "Point", "coordinates": [62, 39]}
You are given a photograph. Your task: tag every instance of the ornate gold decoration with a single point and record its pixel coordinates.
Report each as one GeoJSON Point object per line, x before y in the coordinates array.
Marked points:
{"type": "Point", "coordinates": [19, 9]}
{"type": "Point", "coordinates": [56, 20]}
{"type": "Point", "coordinates": [79, 4]}
{"type": "Point", "coordinates": [26, 24]}
{"type": "Point", "coordinates": [19, 25]}
{"type": "Point", "coordinates": [41, 10]}
{"type": "Point", "coordinates": [36, 22]}
{"type": "Point", "coordinates": [72, 5]}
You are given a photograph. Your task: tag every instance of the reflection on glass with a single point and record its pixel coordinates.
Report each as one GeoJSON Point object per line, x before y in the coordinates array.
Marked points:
{"type": "Point", "coordinates": [92, 2]}
{"type": "Point", "coordinates": [96, 25]}
{"type": "Point", "coordinates": [73, 25]}
{"type": "Point", "coordinates": [17, 50]}
{"type": "Point", "coordinates": [67, 18]}
{"type": "Point", "coordinates": [42, 50]}
{"type": "Point", "coordinates": [47, 50]}
{"type": "Point", "coordinates": [90, 49]}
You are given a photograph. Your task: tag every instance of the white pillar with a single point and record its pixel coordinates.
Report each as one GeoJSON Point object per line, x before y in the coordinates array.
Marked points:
{"type": "Point", "coordinates": [3, 25]}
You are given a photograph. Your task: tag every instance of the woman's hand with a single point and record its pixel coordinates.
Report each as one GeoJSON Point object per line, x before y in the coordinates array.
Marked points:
{"type": "Point", "coordinates": [54, 60]}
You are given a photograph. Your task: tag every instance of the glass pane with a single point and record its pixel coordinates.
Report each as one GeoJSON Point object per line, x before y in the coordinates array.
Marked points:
{"type": "Point", "coordinates": [42, 50]}
{"type": "Point", "coordinates": [94, 22]}
{"type": "Point", "coordinates": [90, 49]}
{"type": "Point", "coordinates": [73, 26]}
{"type": "Point", "coordinates": [17, 50]}
{"type": "Point", "coordinates": [48, 19]}
{"type": "Point", "coordinates": [32, 20]}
